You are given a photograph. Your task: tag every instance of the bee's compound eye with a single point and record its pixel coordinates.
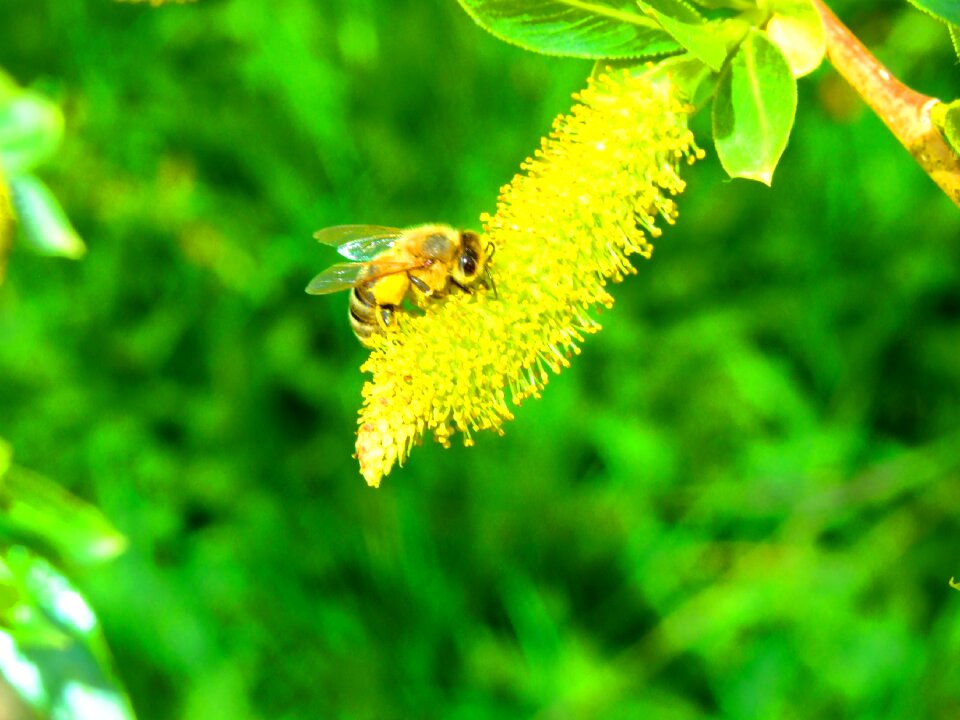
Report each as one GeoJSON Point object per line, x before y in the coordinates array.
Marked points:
{"type": "Point", "coordinates": [468, 265]}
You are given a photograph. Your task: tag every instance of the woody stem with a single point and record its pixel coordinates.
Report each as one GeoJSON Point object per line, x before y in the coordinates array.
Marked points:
{"type": "Point", "coordinates": [903, 110]}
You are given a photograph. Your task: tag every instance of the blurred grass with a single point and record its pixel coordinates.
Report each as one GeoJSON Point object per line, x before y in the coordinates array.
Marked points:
{"type": "Point", "coordinates": [739, 502]}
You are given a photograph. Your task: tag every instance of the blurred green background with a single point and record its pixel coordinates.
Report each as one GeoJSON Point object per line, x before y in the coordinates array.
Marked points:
{"type": "Point", "coordinates": [740, 502]}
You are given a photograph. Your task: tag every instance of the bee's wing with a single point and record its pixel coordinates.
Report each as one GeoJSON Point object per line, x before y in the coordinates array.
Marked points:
{"type": "Point", "coordinates": [345, 275]}
{"type": "Point", "coordinates": [335, 278]}
{"type": "Point", "coordinates": [359, 242]}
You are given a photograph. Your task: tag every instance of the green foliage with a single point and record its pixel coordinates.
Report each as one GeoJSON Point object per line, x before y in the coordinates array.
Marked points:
{"type": "Point", "coordinates": [44, 223]}
{"type": "Point", "coordinates": [946, 116]}
{"type": "Point", "coordinates": [700, 39]}
{"type": "Point", "coordinates": [575, 28]}
{"type": "Point", "coordinates": [52, 650]}
{"type": "Point", "coordinates": [727, 38]}
{"type": "Point", "coordinates": [797, 29]}
{"type": "Point", "coordinates": [41, 513]}
{"type": "Point", "coordinates": [31, 129]}
{"type": "Point", "coordinates": [946, 10]}
{"type": "Point", "coordinates": [754, 109]}
{"type": "Point", "coordinates": [738, 503]}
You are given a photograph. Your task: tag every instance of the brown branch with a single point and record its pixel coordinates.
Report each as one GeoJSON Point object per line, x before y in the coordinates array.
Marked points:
{"type": "Point", "coordinates": [903, 110]}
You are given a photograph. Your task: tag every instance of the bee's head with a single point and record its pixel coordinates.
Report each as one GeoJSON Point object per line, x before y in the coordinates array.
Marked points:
{"type": "Point", "coordinates": [471, 264]}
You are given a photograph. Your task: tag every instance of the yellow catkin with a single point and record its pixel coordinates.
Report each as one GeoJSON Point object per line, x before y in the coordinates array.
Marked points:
{"type": "Point", "coordinates": [566, 225]}
{"type": "Point", "coordinates": [157, 3]}
{"type": "Point", "coordinates": [6, 225]}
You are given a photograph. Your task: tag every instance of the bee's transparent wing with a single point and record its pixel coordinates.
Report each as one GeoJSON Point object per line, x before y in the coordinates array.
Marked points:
{"type": "Point", "coordinates": [359, 242]}
{"type": "Point", "coordinates": [345, 275]}
{"type": "Point", "coordinates": [335, 278]}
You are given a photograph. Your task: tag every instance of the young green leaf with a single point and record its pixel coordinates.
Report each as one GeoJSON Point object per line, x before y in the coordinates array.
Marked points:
{"type": "Point", "coordinates": [45, 224]}
{"type": "Point", "coordinates": [946, 10]}
{"type": "Point", "coordinates": [753, 109]}
{"type": "Point", "coordinates": [700, 39]}
{"type": "Point", "coordinates": [31, 127]}
{"type": "Point", "coordinates": [593, 29]}
{"type": "Point", "coordinates": [955, 37]}
{"type": "Point", "coordinates": [677, 9]}
{"type": "Point", "coordinates": [946, 118]}
{"type": "Point", "coordinates": [39, 511]}
{"type": "Point", "coordinates": [797, 29]}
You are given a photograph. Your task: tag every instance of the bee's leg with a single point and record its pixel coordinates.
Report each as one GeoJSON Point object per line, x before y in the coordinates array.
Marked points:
{"type": "Point", "coordinates": [421, 285]}
{"type": "Point", "coordinates": [386, 315]}
{"type": "Point", "coordinates": [489, 283]}
{"type": "Point", "coordinates": [467, 290]}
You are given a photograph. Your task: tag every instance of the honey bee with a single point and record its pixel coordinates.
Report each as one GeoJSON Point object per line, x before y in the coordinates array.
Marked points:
{"type": "Point", "coordinates": [390, 266]}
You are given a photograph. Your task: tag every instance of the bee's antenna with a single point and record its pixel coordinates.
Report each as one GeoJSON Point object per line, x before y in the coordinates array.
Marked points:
{"type": "Point", "coordinates": [489, 279]}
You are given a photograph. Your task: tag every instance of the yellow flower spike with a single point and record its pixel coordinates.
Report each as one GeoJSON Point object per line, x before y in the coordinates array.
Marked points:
{"type": "Point", "coordinates": [587, 200]}
{"type": "Point", "coordinates": [158, 3]}
{"type": "Point", "coordinates": [6, 225]}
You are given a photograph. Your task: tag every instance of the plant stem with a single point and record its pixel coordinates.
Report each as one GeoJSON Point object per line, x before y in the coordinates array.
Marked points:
{"type": "Point", "coordinates": [903, 110]}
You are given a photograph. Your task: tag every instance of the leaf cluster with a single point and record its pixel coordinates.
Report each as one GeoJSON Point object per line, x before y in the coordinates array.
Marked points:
{"type": "Point", "coordinates": [741, 55]}
{"type": "Point", "coordinates": [54, 654]}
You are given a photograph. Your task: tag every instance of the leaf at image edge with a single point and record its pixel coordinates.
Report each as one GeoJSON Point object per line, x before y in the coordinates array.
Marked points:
{"type": "Point", "coordinates": [575, 28]}
{"type": "Point", "coordinates": [753, 110]}
{"type": "Point", "coordinates": [38, 509]}
{"type": "Point", "coordinates": [946, 10]}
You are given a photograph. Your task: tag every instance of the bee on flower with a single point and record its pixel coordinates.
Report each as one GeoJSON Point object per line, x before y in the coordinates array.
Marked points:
{"type": "Point", "coordinates": [590, 198]}
{"type": "Point", "coordinates": [422, 264]}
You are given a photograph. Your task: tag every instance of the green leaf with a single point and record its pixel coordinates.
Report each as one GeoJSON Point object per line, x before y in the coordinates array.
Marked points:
{"type": "Point", "coordinates": [946, 118]}
{"type": "Point", "coordinates": [727, 5]}
{"type": "Point", "coordinates": [31, 128]}
{"type": "Point", "coordinates": [676, 9]}
{"type": "Point", "coordinates": [797, 29]}
{"type": "Point", "coordinates": [753, 109]}
{"type": "Point", "coordinates": [39, 511]}
{"type": "Point", "coordinates": [701, 39]}
{"type": "Point", "coordinates": [52, 649]}
{"type": "Point", "coordinates": [45, 224]}
{"type": "Point", "coordinates": [593, 29]}
{"type": "Point", "coordinates": [955, 37]}
{"type": "Point", "coordinates": [946, 10]}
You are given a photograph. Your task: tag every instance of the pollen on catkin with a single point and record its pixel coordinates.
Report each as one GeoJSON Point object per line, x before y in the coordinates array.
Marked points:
{"type": "Point", "coordinates": [591, 196]}
{"type": "Point", "coordinates": [6, 225]}
{"type": "Point", "coordinates": [157, 3]}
